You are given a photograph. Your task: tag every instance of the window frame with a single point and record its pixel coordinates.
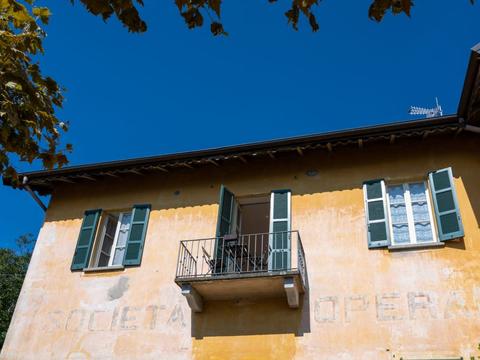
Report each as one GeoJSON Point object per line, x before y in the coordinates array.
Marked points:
{"type": "Point", "coordinates": [98, 249]}
{"type": "Point", "coordinates": [409, 212]}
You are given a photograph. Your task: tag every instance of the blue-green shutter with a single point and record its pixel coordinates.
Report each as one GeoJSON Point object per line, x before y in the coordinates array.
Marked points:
{"type": "Point", "coordinates": [226, 205]}
{"type": "Point", "coordinates": [280, 237]}
{"type": "Point", "coordinates": [136, 235]}
{"type": "Point", "coordinates": [376, 214]}
{"type": "Point", "coordinates": [447, 212]}
{"type": "Point", "coordinates": [225, 212]}
{"type": "Point", "coordinates": [86, 239]}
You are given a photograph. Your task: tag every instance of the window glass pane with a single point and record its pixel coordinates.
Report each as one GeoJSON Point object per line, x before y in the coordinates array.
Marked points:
{"type": "Point", "coordinates": [396, 195]}
{"type": "Point", "coordinates": [118, 257]}
{"type": "Point", "coordinates": [119, 252]}
{"type": "Point", "coordinates": [107, 241]}
{"type": "Point", "coordinates": [375, 210]}
{"type": "Point", "coordinates": [400, 233]}
{"type": "Point", "coordinates": [398, 214]}
{"type": "Point", "coordinates": [123, 231]}
{"type": "Point", "coordinates": [420, 212]}
{"type": "Point", "coordinates": [107, 244]}
{"type": "Point", "coordinates": [417, 192]}
{"type": "Point", "coordinates": [445, 201]}
{"type": "Point", "coordinates": [423, 231]}
{"type": "Point", "coordinates": [374, 190]}
{"type": "Point", "coordinates": [103, 260]}
{"type": "Point", "coordinates": [111, 226]}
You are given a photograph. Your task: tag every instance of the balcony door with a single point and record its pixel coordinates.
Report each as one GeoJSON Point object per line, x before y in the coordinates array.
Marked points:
{"type": "Point", "coordinates": [259, 226]}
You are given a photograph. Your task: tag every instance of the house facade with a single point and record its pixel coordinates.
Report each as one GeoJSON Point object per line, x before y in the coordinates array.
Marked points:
{"type": "Point", "coordinates": [358, 244]}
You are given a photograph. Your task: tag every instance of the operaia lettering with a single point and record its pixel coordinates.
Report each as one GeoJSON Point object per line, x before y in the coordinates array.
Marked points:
{"type": "Point", "coordinates": [396, 306]}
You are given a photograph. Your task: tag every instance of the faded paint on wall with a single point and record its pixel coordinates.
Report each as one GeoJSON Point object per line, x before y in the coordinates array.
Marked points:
{"type": "Point", "coordinates": [362, 304]}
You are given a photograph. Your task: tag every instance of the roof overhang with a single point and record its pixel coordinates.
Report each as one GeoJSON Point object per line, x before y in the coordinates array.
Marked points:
{"type": "Point", "coordinates": [469, 106]}
{"type": "Point", "coordinates": [45, 181]}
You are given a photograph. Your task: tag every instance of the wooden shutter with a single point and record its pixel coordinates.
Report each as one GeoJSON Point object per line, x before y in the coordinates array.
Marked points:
{"type": "Point", "coordinates": [225, 212]}
{"type": "Point", "coordinates": [226, 207]}
{"type": "Point", "coordinates": [449, 222]}
{"type": "Point", "coordinates": [136, 235]}
{"type": "Point", "coordinates": [280, 236]}
{"type": "Point", "coordinates": [376, 213]}
{"type": "Point", "coordinates": [85, 239]}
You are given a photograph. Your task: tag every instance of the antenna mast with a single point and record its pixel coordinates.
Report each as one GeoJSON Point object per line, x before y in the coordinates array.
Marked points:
{"type": "Point", "coordinates": [428, 112]}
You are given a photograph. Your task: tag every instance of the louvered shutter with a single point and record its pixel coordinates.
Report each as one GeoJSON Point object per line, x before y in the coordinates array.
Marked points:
{"type": "Point", "coordinates": [136, 235]}
{"type": "Point", "coordinates": [376, 213]}
{"type": "Point", "coordinates": [85, 239]}
{"type": "Point", "coordinates": [280, 236]}
{"type": "Point", "coordinates": [447, 212]}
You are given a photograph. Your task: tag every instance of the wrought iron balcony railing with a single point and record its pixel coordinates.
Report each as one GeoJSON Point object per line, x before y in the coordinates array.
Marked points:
{"type": "Point", "coordinates": [233, 255]}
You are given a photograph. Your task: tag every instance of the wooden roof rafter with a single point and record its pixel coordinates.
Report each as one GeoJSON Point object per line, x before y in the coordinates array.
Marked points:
{"type": "Point", "coordinates": [245, 153]}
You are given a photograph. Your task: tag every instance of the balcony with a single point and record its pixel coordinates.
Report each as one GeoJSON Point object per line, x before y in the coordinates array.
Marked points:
{"type": "Point", "coordinates": [249, 266]}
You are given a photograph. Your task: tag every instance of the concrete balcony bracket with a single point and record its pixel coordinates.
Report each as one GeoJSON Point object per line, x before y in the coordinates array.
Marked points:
{"type": "Point", "coordinates": [194, 299]}
{"type": "Point", "coordinates": [291, 290]}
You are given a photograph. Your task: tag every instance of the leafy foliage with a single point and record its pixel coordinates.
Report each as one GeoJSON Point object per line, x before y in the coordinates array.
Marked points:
{"type": "Point", "coordinates": [194, 11]}
{"type": "Point", "coordinates": [124, 10]}
{"type": "Point", "coordinates": [13, 267]}
{"type": "Point", "coordinates": [28, 125]}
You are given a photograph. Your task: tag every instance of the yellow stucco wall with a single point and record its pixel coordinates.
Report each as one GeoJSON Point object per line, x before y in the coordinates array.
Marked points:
{"type": "Point", "coordinates": [362, 304]}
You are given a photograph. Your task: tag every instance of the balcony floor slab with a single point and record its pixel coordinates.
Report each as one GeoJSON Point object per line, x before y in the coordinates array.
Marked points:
{"type": "Point", "coordinates": [260, 285]}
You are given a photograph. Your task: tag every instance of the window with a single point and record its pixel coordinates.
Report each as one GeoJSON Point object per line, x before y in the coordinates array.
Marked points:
{"type": "Point", "coordinates": [113, 239]}
{"type": "Point", "coordinates": [410, 211]}
{"type": "Point", "coordinates": [418, 212]}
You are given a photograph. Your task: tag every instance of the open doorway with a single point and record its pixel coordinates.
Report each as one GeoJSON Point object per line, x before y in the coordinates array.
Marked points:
{"type": "Point", "coordinates": [253, 232]}
{"type": "Point", "coordinates": [253, 215]}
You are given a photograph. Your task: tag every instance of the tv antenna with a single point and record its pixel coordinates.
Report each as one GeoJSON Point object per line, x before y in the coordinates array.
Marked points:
{"type": "Point", "coordinates": [428, 112]}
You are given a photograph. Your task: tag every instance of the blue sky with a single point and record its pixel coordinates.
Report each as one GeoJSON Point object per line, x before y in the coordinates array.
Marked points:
{"type": "Point", "coordinates": [173, 89]}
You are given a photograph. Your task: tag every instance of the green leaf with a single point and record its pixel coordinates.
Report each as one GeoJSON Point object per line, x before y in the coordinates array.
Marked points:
{"type": "Point", "coordinates": [215, 6]}
{"type": "Point", "coordinates": [43, 13]}
{"type": "Point", "coordinates": [217, 29]}
{"type": "Point", "coordinates": [13, 85]}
